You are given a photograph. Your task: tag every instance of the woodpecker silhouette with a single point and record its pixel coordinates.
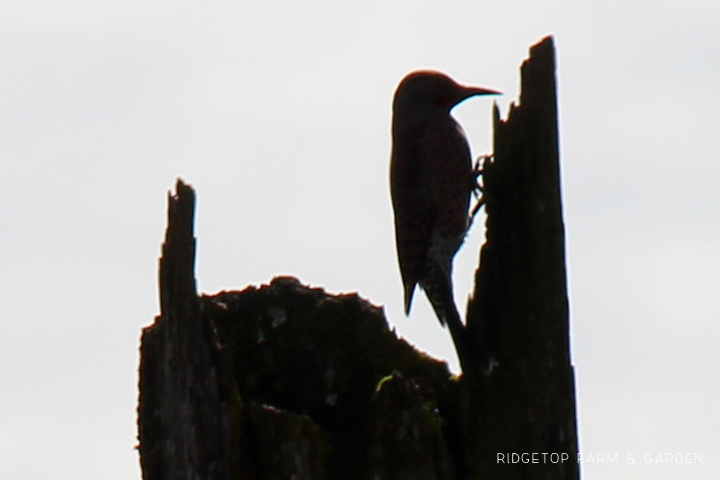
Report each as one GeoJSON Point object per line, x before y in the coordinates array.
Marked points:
{"type": "Point", "coordinates": [431, 182]}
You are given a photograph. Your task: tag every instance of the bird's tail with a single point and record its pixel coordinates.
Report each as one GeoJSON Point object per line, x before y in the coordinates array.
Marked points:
{"type": "Point", "coordinates": [438, 287]}
{"type": "Point", "coordinates": [409, 290]}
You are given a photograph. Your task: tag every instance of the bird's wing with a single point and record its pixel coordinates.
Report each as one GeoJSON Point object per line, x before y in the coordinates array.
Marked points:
{"type": "Point", "coordinates": [413, 215]}
{"type": "Point", "coordinates": [447, 172]}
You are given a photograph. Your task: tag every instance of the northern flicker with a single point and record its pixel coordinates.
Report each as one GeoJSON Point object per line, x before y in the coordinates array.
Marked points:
{"type": "Point", "coordinates": [431, 181]}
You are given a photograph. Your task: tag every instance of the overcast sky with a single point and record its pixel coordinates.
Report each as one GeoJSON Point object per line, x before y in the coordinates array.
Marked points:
{"type": "Point", "coordinates": [278, 113]}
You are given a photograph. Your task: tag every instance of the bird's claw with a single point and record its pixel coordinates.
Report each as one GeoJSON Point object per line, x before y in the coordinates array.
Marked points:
{"type": "Point", "coordinates": [480, 162]}
{"type": "Point", "coordinates": [478, 189]}
{"type": "Point", "coordinates": [477, 171]}
{"type": "Point", "coordinates": [477, 207]}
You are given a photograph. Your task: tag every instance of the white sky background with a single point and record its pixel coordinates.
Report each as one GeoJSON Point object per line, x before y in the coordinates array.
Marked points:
{"type": "Point", "coordinates": [278, 113]}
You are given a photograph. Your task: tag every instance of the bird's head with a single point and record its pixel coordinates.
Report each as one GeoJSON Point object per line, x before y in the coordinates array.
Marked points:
{"type": "Point", "coordinates": [428, 89]}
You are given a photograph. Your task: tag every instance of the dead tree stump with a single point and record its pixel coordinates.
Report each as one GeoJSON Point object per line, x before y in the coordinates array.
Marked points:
{"type": "Point", "coordinates": [523, 395]}
{"type": "Point", "coordinates": [287, 382]}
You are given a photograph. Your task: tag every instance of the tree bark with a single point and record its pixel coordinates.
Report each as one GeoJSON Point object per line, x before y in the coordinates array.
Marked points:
{"type": "Point", "coordinates": [185, 412]}
{"type": "Point", "coordinates": [522, 395]}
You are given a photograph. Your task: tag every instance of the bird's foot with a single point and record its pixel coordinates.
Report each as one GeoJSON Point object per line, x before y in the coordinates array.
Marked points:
{"type": "Point", "coordinates": [477, 171]}
{"type": "Point", "coordinates": [477, 207]}
{"type": "Point", "coordinates": [478, 188]}
{"type": "Point", "coordinates": [478, 167]}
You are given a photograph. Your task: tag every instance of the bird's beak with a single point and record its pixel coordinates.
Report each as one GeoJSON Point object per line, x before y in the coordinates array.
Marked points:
{"type": "Point", "coordinates": [467, 92]}
{"type": "Point", "coordinates": [473, 91]}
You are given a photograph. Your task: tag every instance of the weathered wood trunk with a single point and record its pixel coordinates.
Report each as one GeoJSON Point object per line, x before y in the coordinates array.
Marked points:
{"type": "Point", "coordinates": [281, 382]}
{"type": "Point", "coordinates": [523, 396]}
{"type": "Point", "coordinates": [287, 382]}
{"type": "Point", "coordinates": [185, 414]}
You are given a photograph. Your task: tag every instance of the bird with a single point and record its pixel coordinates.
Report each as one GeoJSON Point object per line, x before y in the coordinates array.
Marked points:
{"type": "Point", "coordinates": [432, 179]}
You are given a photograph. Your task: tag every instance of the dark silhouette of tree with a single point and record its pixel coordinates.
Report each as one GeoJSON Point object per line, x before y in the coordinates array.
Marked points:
{"type": "Point", "coordinates": [285, 381]}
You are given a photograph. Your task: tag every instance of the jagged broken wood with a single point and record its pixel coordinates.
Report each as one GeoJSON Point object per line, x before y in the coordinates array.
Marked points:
{"type": "Point", "coordinates": [283, 381]}
{"type": "Point", "coordinates": [185, 412]}
{"type": "Point", "coordinates": [523, 394]}
{"type": "Point", "coordinates": [288, 382]}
